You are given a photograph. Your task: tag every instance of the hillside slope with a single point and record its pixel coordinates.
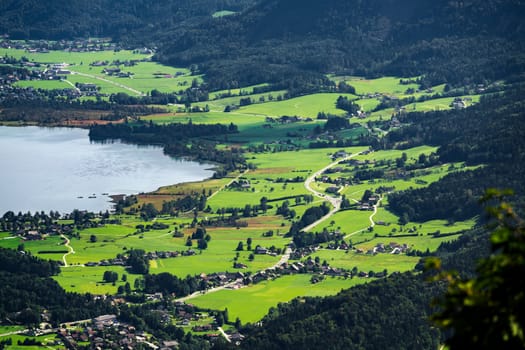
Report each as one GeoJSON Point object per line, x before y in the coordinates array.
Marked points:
{"type": "Point", "coordinates": [445, 40]}
{"type": "Point", "coordinates": [131, 21]}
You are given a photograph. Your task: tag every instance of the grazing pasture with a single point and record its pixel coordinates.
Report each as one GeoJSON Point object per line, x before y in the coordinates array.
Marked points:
{"type": "Point", "coordinates": [304, 106]}
{"type": "Point", "coordinates": [251, 303]}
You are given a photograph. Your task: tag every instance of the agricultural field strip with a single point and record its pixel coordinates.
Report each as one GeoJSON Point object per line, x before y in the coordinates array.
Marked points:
{"type": "Point", "coordinates": [109, 82]}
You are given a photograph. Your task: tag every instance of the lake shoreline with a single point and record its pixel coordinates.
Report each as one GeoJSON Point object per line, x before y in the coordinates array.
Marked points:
{"type": "Point", "coordinates": [59, 169]}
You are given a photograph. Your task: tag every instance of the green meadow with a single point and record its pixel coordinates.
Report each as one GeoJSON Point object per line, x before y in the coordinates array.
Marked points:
{"type": "Point", "coordinates": [251, 303]}
{"type": "Point", "coordinates": [44, 84]}
{"type": "Point", "coordinates": [47, 341]}
{"type": "Point", "coordinates": [8, 329]}
{"type": "Point", "coordinates": [243, 121]}
{"type": "Point", "coordinates": [82, 279]}
{"type": "Point", "coordinates": [385, 85]}
{"type": "Point", "coordinates": [440, 104]}
{"type": "Point", "coordinates": [221, 103]}
{"type": "Point", "coordinates": [304, 106]}
{"type": "Point", "coordinates": [147, 76]}
{"type": "Point", "coordinates": [246, 90]}
{"type": "Point", "coordinates": [363, 262]}
{"type": "Point", "coordinates": [73, 58]}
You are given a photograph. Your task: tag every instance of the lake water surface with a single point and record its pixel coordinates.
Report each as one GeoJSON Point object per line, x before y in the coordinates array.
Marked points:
{"type": "Point", "coordinates": [51, 168]}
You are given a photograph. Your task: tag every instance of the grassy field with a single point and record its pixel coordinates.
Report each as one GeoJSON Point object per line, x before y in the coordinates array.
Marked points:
{"type": "Point", "coordinates": [366, 263]}
{"type": "Point", "coordinates": [44, 84]}
{"type": "Point", "coordinates": [250, 304]}
{"type": "Point", "coordinates": [218, 105]}
{"type": "Point", "coordinates": [146, 76]}
{"type": "Point", "coordinates": [223, 13]}
{"type": "Point", "coordinates": [386, 85]}
{"type": "Point", "coordinates": [8, 329]}
{"type": "Point", "coordinates": [73, 58]}
{"type": "Point", "coordinates": [304, 106]}
{"type": "Point", "coordinates": [253, 128]}
{"type": "Point", "coordinates": [83, 279]}
{"type": "Point", "coordinates": [47, 340]}
{"type": "Point", "coordinates": [270, 167]}
{"type": "Point", "coordinates": [236, 92]}
{"type": "Point", "coordinates": [243, 121]}
{"type": "Point", "coordinates": [440, 104]}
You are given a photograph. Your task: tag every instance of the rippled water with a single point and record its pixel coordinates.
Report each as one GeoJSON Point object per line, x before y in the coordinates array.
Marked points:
{"type": "Point", "coordinates": [50, 168]}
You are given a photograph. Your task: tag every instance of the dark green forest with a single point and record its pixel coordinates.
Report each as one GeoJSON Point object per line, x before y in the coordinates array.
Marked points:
{"type": "Point", "coordinates": [130, 22]}
{"type": "Point", "coordinates": [28, 290]}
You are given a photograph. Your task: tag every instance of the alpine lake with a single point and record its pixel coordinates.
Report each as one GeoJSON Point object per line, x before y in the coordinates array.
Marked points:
{"type": "Point", "coordinates": [60, 169]}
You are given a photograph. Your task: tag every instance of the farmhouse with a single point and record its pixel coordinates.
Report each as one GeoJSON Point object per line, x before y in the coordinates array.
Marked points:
{"type": "Point", "coordinates": [458, 103]}
{"type": "Point", "coordinates": [260, 250]}
{"type": "Point", "coordinates": [242, 183]}
{"type": "Point", "coordinates": [332, 189]}
{"type": "Point", "coordinates": [339, 154]}
{"type": "Point", "coordinates": [86, 87]}
{"type": "Point", "coordinates": [32, 236]}
{"type": "Point", "coordinates": [111, 71]}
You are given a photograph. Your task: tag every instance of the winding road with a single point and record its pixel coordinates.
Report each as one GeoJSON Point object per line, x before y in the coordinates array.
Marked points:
{"type": "Point", "coordinates": [70, 248]}
{"type": "Point", "coordinates": [334, 201]}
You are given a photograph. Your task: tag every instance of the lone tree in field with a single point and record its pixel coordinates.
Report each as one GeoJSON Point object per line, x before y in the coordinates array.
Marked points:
{"type": "Point", "coordinates": [110, 276]}
{"type": "Point", "coordinates": [240, 247]}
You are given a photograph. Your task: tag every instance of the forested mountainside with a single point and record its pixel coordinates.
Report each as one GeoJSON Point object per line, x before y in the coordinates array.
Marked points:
{"type": "Point", "coordinates": [452, 42]}
{"type": "Point", "coordinates": [278, 40]}
{"type": "Point", "coordinates": [489, 133]}
{"type": "Point", "coordinates": [125, 21]}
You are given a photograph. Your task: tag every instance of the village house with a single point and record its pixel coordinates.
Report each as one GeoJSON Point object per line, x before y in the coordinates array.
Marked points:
{"type": "Point", "coordinates": [339, 154]}
{"type": "Point", "coordinates": [332, 190]}
{"type": "Point", "coordinates": [111, 71]}
{"type": "Point", "coordinates": [458, 103]}
{"type": "Point", "coordinates": [260, 250]}
{"type": "Point", "coordinates": [241, 183]}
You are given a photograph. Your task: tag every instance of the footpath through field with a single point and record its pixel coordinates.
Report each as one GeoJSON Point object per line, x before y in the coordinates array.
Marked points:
{"type": "Point", "coordinates": [70, 248]}
{"type": "Point", "coordinates": [228, 184]}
